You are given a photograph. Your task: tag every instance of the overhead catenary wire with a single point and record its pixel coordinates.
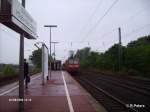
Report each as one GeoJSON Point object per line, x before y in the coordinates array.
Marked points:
{"type": "Point", "coordinates": [108, 33]}
{"type": "Point", "coordinates": [131, 18]}
{"type": "Point", "coordinates": [136, 14]}
{"type": "Point", "coordinates": [73, 42]}
{"type": "Point", "coordinates": [133, 31]}
{"type": "Point", "coordinates": [128, 20]}
{"type": "Point", "coordinates": [91, 16]}
{"type": "Point", "coordinates": [100, 19]}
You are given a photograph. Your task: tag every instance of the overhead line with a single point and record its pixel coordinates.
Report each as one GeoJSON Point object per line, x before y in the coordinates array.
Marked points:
{"type": "Point", "coordinates": [101, 19]}
{"type": "Point", "coordinates": [108, 33]}
{"type": "Point", "coordinates": [142, 27]}
{"type": "Point", "coordinates": [136, 14]}
{"type": "Point", "coordinates": [91, 17]}
{"type": "Point", "coordinates": [133, 16]}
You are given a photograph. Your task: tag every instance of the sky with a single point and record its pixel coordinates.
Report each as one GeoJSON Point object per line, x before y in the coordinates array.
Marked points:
{"type": "Point", "coordinates": [84, 23]}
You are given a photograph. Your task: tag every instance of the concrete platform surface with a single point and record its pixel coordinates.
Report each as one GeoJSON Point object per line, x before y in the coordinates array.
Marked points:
{"type": "Point", "coordinates": [60, 94]}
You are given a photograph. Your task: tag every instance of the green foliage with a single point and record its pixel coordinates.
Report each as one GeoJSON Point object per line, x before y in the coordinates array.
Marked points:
{"type": "Point", "coordinates": [135, 57]}
{"type": "Point", "coordinates": [138, 58]}
{"type": "Point", "coordinates": [140, 42]}
{"type": "Point", "coordinates": [83, 53]}
{"type": "Point", "coordinates": [9, 70]}
{"type": "Point", "coordinates": [36, 58]}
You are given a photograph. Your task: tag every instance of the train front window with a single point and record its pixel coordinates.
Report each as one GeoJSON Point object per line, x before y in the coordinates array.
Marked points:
{"type": "Point", "coordinates": [75, 62]}
{"type": "Point", "coordinates": [70, 61]}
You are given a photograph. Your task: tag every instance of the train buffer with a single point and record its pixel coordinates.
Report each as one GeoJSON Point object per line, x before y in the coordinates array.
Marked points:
{"type": "Point", "coordinates": [60, 94]}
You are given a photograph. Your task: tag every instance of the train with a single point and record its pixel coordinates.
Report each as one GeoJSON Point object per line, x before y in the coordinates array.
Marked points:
{"type": "Point", "coordinates": [72, 66]}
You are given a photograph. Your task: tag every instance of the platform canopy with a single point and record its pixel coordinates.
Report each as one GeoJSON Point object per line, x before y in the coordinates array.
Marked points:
{"type": "Point", "coordinates": [14, 15]}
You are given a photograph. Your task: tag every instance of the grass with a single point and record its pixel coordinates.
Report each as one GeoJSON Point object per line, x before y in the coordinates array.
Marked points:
{"type": "Point", "coordinates": [8, 70]}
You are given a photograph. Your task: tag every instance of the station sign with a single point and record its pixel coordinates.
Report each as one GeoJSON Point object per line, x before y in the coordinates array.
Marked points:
{"type": "Point", "coordinates": [14, 15]}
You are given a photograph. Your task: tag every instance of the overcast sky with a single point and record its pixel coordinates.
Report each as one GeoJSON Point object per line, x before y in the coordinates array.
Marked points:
{"type": "Point", "coordinates": [82, 22]}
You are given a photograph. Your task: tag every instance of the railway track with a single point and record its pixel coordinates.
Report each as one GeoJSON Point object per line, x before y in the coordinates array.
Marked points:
{"type": "Point", "coordinates": [141, 90]}
{"type": "Point", "coordinates": [115, 96]}
{"type": "Point", "coordinates": [111, 103]}
{"type": "Point", "coordinates": [124, 84]}
{"type": "Point", "coordinates": [136, 83]}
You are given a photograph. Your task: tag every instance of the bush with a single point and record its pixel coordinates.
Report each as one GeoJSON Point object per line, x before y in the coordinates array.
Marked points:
{"type": "Point", "coordinates": [9, 70]}
{"type": "Point", "coordinates": [34, 71]}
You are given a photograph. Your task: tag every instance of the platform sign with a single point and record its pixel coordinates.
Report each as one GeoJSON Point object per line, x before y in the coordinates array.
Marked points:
{"type": "Point", "coordinates": [44, 63]}
{"type": "Point", "coordinates": [14, 15]}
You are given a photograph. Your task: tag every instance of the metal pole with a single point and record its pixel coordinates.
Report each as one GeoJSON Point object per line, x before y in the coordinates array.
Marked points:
{"type": "Point", "coordinates": [54, 51]}
{"type": "Point", "coordinates": [50, 26]}
{"type": "Point", "coordinates": [119, 49]}
{"type": "Point", "coordinates": [21, 68]}
{"type": "Point", "coordinates": [42, 64]}
{"type": "Point", "coordinates": [54, 47]}
{"type": "Point", "coordinates": [50, 54]}
{"type": "Point", "coordinates": [21, 76]}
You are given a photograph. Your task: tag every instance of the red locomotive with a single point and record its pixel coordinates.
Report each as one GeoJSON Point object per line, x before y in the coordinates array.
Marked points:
{"type": "Point", "coordinates": [72, 65]}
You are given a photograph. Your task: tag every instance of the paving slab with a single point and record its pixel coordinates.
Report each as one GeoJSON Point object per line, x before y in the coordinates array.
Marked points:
{"type": "Point", "coordinates": [60, 94]}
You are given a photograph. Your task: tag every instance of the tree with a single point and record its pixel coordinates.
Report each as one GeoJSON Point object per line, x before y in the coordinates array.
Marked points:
{"type": "Point", "coordinates": [36, 58]}
{"type": "Point", "coordinates": [135, 57]}
{"type": "Point", "coordinates": [83, 53]}
{"type": "Point", "coordinates": [111, 57]}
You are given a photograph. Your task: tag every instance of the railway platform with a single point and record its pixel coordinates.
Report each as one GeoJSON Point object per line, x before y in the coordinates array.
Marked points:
{"type": "Point", "coordinates": [60, 94]}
